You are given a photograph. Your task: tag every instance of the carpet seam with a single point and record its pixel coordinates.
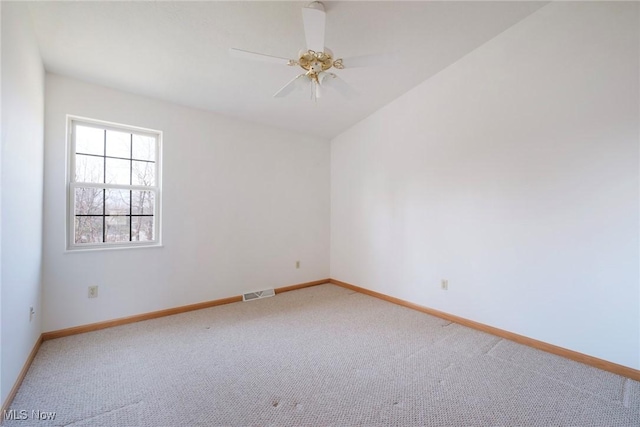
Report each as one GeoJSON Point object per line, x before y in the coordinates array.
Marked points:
{"type": "Point", "coordinates": [597, 396]}
{"type": "Point", "coordinates": [494, 346]}
{"type": "Point", "coordinates": [626, 393]}
{"type": "Point", "coordinates": [103, 413]}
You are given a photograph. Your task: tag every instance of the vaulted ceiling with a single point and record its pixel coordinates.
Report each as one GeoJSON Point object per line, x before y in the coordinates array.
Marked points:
{"type": "Point", "coordinates": [178, 51]}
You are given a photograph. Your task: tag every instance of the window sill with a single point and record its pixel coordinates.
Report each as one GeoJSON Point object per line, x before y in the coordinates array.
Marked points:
{"type": "Point", "coordinates": [111, 248]}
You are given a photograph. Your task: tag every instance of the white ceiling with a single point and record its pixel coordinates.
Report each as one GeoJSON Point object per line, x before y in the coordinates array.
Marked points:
{"type": "Point", "coordinates": [178, 51]}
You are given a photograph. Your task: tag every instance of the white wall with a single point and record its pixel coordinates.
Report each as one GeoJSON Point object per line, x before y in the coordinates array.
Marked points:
{"type": "Point", "coordinates": [22, 186]}
{"type": "Point", "coordinates": [2, 398]}
{"type": "Point", "coordinates": [513, 174]}
{"type": "Point", "coordinates": [241, 204]}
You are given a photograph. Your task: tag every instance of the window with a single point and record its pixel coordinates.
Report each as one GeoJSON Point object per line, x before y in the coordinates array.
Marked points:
{"type": "Point", "coordinates": [114, 185]}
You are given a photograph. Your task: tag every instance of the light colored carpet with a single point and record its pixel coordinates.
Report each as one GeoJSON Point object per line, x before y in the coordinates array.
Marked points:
{"type": "Point", "coordinates": [317, 356]}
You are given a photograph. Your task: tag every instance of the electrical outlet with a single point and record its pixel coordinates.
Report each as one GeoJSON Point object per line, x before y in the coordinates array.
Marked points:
{"type": "Point", "coordinates": [32, 314]}
{"type": "Point", "coordinates": [297, 264]}
{"type": "Point", "coordinates": [444, 284]}
{"type": "Point", "coordinates": [93, 292]}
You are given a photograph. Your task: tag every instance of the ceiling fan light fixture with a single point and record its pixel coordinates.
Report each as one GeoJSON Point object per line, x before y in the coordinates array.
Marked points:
{"type": "Point", "coordinates": [316, 61]}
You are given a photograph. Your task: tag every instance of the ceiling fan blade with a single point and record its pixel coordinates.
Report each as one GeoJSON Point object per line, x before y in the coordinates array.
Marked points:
{"type": "Point", "coordinates": [332, 81]}
{"type": "Point", "coordinates": [313, 17]}
{"type": "Point", "coordinates": [296, 82]}
{"type": "Point", "coordinates": [245, 54]}
{"type": "Point", "coordinates": [370, 60]}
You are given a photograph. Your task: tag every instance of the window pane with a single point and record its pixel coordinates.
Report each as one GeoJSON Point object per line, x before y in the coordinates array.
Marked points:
{"type": "Point", "coordinates": [117, 229]}
{"type": "Point", "coordinates": [118, 171]}
{"type": "Point", "coordinates": [118, 144]}
{"type": "Point", "coordinates": [143, 173]}
{"type": "Point", "coordinates": [89, 140]}
{"type": "Point", "coordinates": [88, 201]}
{"type": "Point", "coordinates": [142, 202]}
{"type": "Point", "coordinates": [144, 147]}
{"type": "Point", "coordinates": [89, 169]}
{"type": "Point", "coordinates": [117, 202]}
{"type": "Point", "coordinates": [142, 228]}
{"type": "Point", "coordinates": [88, 229]}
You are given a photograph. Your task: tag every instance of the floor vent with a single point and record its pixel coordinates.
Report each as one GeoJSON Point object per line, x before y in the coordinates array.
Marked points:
{"type": "Point", "coordinates": [250, 296]}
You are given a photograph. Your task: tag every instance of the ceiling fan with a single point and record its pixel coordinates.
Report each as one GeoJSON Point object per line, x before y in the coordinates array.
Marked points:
{"type": "Point", "coordinates": [316, 60]}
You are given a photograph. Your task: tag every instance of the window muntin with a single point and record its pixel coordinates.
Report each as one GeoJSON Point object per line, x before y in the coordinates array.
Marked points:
{"type": "Point", "coordinates": [114, 185]}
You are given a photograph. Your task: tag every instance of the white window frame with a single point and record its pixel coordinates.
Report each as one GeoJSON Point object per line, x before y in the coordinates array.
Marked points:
{"type": "Point", "coordinates": [72, 122]}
